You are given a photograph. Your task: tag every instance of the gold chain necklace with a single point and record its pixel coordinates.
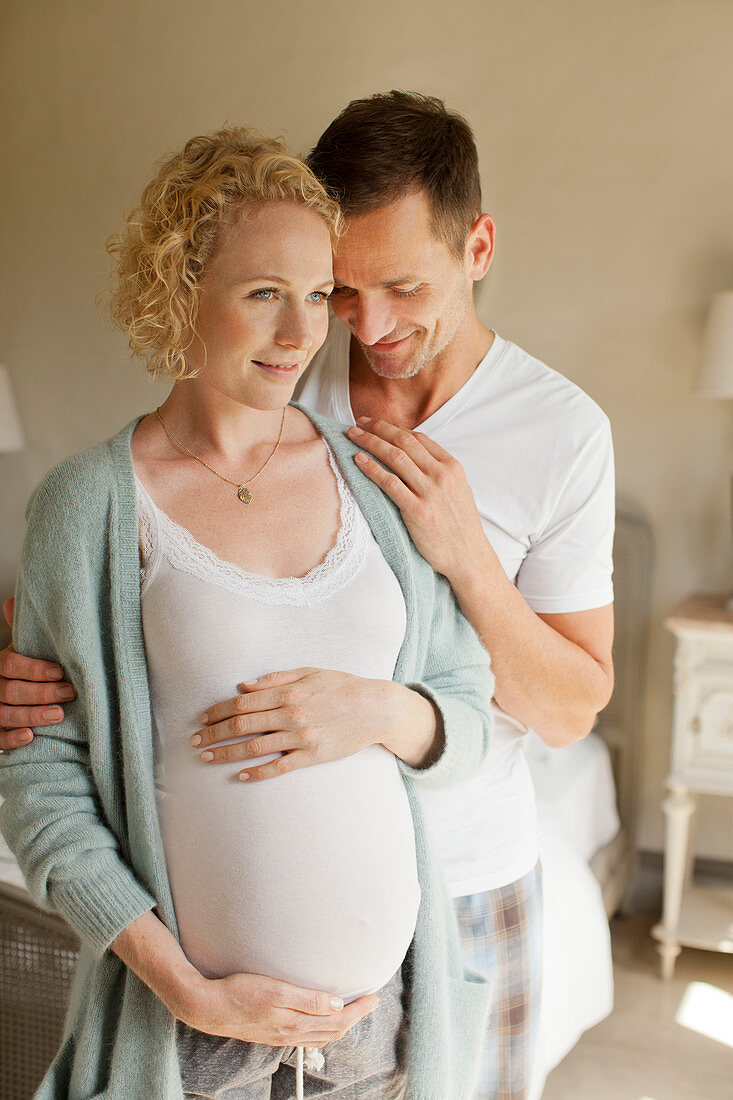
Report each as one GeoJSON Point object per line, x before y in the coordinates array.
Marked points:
{"type": "Point", "coordinates": [242, 491]}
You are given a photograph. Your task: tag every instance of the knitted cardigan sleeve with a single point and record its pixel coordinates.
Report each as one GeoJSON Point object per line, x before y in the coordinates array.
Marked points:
{"type": "Point", "coordinates": [54, 816]}
{"type": "Point", "coordinates": [456, 676]}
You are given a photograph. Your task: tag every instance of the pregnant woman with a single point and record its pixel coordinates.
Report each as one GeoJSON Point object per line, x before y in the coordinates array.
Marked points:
{"type": "Point", "coordinates": [231, 918]}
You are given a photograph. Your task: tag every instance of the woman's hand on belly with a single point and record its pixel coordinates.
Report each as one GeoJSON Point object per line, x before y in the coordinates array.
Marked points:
{"type": "Point", "coordinates": [313, 715]}
{"type": "Point", "coordinates": [250, 1007]}
{"type": "Point", "coordinates": [264, 1010]}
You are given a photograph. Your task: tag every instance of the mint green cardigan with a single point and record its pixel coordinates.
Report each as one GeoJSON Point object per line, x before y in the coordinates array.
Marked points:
{"type": "Point", "coordinates": [80, 808]}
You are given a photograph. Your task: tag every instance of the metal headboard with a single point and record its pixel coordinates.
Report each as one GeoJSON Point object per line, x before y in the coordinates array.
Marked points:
{"type": "Point", "coordinates": [621, 723]}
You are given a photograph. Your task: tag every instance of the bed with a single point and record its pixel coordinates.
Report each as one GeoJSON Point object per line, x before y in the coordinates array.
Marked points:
{"type": "Point", "coordinates": [586, 804]}
{"type": "Point", "coordinates": [586, 810]}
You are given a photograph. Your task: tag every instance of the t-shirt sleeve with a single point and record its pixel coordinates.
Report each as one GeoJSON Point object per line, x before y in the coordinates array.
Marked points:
{"type": "Point", "coordinates": [569, 564]}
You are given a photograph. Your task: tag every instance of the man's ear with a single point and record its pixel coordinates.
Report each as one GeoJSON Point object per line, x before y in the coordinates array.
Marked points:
{"type": "Point", "coordinates": [480, 246]}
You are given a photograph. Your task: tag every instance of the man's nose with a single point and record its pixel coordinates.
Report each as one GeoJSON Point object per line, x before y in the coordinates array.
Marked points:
{"type": "Point", "coordinates": [371, 321]}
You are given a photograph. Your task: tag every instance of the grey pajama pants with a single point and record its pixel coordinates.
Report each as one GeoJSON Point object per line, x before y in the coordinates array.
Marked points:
{"type": "Point", "coordinates": [364, 1065]}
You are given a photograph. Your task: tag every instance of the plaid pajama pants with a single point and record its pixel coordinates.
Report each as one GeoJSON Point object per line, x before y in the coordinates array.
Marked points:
{"type": "Point", "coordinates": [501, 938]}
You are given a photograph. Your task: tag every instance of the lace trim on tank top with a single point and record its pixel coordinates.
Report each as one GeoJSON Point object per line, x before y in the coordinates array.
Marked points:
{"type": "Point", "coordinates": [159, 534]}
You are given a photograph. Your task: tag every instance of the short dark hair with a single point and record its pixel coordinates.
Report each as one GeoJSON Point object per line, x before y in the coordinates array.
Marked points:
{"type": "Point", "coordinates": [385, 146]}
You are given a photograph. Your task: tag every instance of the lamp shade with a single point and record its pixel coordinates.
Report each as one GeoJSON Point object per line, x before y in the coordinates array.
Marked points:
{"type": "Point", "coordinates": [715, 375]}
{"type": "Point", "coordinates": [11, 433]}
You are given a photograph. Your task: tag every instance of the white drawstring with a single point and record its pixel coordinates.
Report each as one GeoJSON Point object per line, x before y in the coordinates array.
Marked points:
{"type": "Point", "coordinates": [313, 1061]}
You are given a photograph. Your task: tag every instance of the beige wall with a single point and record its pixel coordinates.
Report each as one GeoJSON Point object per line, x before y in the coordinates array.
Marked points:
{"type": "Point", "coordinates": [605, 137]}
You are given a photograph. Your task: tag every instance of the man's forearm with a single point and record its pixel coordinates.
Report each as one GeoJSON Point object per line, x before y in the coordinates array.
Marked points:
{"type": "Point", "coordinates": [543, 679]}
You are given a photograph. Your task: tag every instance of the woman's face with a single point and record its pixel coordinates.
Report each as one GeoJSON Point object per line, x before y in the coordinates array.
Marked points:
{"type": "Point", "coordinates": [263, 311]}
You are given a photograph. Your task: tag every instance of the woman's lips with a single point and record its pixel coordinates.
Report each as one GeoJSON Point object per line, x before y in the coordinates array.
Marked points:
{"type": "Point", "coordinates": [276, 369]}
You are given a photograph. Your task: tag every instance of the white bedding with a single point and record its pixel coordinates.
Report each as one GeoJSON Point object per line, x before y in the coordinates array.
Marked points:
{"type": "Point", "coordinates": [576, 807]}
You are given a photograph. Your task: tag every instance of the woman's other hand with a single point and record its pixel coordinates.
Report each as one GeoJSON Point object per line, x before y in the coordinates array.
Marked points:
{"type": "Point", "coordinates": [249, 1007]}
{"type": "Point", "coordinates": [264, 1010]}
{"type": "Point", "coordinates": [30, 693]}
{"type": "Point", "coordinates": [311, 716]}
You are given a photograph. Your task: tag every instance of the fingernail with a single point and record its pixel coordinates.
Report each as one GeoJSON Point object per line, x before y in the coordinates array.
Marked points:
{"type": "Point", "coordinates": [336, 1004]}
{"type": "Point", "coordinates": [361, 458]}
{"type": "Point", "coordinates": [248, 683]}
{"type": "Point", "coordinates": [196, 739]}
{"type": "Point", "coordinates": [244, 776]}
{"type": "Point", "coordinates": [53, 714]}
{"type": "Point", "coordinates": [355, 431]}
{"type": "Point", "coordinates": [362, 420]}
{"type": "Point", "coordinates": [208, 755]}
{"type": "Point", "coordinates": [65, 693]}
{"type": "Point", "coordinates": [203, 719]}
{"type": "Point", "coordinates": [24, 736]}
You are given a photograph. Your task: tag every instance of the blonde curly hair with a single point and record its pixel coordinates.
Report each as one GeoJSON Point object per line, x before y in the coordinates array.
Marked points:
{"type": "Point", "coordinates": [163, 248]}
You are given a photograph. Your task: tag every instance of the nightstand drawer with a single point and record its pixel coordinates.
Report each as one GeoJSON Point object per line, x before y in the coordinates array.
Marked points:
{"type": "Point", "coordinates": [702, 749]}
{"type": "Point", "coordinates": [704, 730]}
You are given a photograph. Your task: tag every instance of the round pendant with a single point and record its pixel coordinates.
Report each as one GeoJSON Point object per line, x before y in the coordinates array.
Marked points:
{"type": "Point", "coordinates": [244, 494]}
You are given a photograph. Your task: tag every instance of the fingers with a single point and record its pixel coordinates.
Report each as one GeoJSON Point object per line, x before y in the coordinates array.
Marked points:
{"type": "Point", "coordinates": [263, 694]}
{"type": "Point", "coordinates": [18, 693]}
{"type": "Point", "coordinates": [252, 748]}
{"type": "Point", "coordinates": [332, 1030]}
{"type": "Point", "coordinates": [13, 739]}
{"type": "Point", "coordinates": [390, 483]}
{"type": "Point", "coordinates": [270, 679]}
{"type": "Point", "coordinates": [14, 666]}
{"type": "Point", "coordinates": [332, 1025]}
{"type": "Point", "coordinates": [412, 443]}
{"type": "Point", "coordinates": [14, 718]}
{"type": "Point", "coordinates": [311, 1002]}
{"type": "Point", "coordinates": [240, 717]}
{"type": "Point", "coordinates": [289, 762]}
{"type": "Point", "coordinates": [438, 453]}
{"type": "Point", "coordinates": [356, 1011]}
{"type": "Point", "coordinates": [397, 449]}
{"type": "Point", "coordinates": [243, 725]}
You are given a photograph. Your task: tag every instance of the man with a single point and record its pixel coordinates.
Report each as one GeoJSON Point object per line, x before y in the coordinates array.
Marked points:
{"type": "Point", "coordinates": [506, 488]}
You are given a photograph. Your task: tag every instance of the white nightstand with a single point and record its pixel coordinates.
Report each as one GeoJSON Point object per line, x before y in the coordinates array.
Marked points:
{"type": "Point", "coordinates": [702, 762]}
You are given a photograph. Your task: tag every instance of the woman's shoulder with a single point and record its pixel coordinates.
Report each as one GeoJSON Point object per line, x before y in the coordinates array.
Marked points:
{"type": "Point", "coordinates": [78, 488]}
{"type": "Point", "coordinates": [382, 514]}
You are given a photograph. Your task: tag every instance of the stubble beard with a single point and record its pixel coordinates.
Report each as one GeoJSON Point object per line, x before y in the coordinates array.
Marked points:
{"type": "Point", "coordinates": [379, 367]}
{"type": "Point", "coordinates": [421, 358]}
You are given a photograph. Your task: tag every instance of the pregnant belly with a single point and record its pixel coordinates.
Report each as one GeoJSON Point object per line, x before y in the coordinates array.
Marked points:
{"type": "Point", "coordinates": [310, 877]}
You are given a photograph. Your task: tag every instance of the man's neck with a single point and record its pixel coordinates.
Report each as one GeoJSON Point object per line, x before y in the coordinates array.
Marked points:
{"type": "Point", "coordinates": [408, 402]}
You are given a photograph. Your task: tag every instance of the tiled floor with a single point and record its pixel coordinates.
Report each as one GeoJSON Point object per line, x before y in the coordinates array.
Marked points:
{"type": "Point", "coordinates": [640, 1052]}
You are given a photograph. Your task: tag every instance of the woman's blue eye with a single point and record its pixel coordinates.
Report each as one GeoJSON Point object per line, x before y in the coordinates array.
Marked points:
{"type": "Point", "coordinates": [264, 295]}
{"type": "Point", "coordinates": [318, 296]}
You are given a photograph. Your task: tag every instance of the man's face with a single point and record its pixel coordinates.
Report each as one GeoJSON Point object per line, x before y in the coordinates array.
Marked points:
{"type": "Point", "coordinates": [399, 289]}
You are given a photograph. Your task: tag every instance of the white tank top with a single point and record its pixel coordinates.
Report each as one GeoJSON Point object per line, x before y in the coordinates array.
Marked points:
{"type": "Point", "coordinates": [310, 877]}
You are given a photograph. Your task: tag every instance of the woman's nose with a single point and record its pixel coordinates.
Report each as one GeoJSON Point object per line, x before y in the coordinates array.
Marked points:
{"type": "Point", "coordinates": [295, 330]}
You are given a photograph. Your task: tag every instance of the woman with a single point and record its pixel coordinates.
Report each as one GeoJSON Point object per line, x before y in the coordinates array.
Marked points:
{"type": "Point", "coordinates": [225, 923]}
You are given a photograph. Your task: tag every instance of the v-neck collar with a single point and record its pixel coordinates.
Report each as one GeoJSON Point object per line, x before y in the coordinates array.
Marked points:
{"type": "Point", "coordinates": [340, 382]}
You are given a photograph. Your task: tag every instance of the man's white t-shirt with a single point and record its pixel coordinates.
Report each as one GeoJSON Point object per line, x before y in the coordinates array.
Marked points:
{"type": "Point", "coordinates": [538, 456]}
